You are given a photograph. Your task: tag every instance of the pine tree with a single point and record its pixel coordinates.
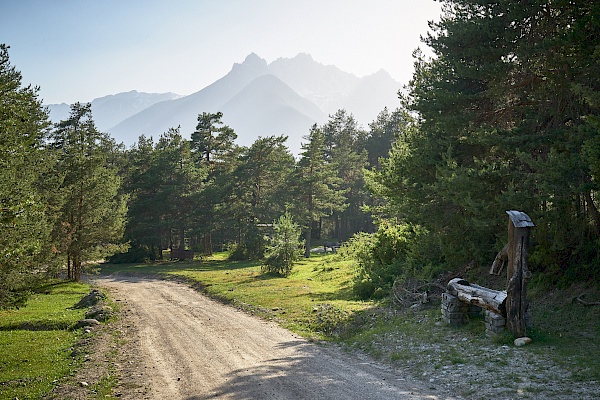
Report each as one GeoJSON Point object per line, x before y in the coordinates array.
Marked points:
{"type": "Point", "coordinates": [143, 183]}
{"type": "Point", "coordinates": [382, 134]}
{"type": "Point", "coordinates": [260, 191]}
{"type": "Point", "coordinates": [212, 145]}
{"type": "Point", "coordinates": [284, 246]}
{"type": "Point", "coordinates": [345, 151]}
{"type": "Point", "coordinates": [92, 214]}
{"type": "Point", "coordinates": [25, 216]}
{"type": "Point", "coordinates": [314, 183]}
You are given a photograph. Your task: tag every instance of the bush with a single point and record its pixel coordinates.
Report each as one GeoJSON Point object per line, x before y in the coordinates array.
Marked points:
{"type": "Point", "coordinates": [395, 250]}
{"type": "Point", "coordinates": [284, 247]}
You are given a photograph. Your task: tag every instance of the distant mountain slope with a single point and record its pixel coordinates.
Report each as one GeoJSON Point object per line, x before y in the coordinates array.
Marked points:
{"type": "Point", "coordinates": [372, 94]}
{"type": "Point", "coordinates": [324, 85]}
{"type": "Point", "coordinates": [268, 107]}
{"type": "Point", "coordinates": [112, 109]}
{"type": "Point", "coordinates": [332, 89]}
{"type": "Point", "coordinates": [183, 112]}
{"type": "Point", "coordinates": [58, 112]}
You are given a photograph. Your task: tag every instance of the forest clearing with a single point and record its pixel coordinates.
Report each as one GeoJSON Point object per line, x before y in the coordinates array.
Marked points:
{"type": "Point", "coordinates": [409, 341]}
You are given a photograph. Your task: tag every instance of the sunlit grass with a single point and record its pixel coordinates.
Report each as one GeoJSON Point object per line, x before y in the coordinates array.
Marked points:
{"type": "Point", "coordinates": [36, 341]}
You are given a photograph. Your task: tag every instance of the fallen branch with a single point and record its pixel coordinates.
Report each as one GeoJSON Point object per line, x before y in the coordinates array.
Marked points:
{"type": "Point", "coordinates": [414, 294]}
{"type": "Point", "coordinates": [587, 303]}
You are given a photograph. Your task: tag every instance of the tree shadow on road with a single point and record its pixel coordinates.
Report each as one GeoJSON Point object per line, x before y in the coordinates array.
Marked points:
{"type": "Point", "coordinates": [317, 372]}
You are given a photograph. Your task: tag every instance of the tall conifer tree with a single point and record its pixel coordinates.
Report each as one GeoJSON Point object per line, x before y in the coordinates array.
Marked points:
{"type": "Point", "coordinates": [314, 182]}
{"type": "Point", "coordinates": [93, 211]}
{"type": "Point", "coordinates": [25, 214]}
{"type": "Point", "coordinates": [504, 111]}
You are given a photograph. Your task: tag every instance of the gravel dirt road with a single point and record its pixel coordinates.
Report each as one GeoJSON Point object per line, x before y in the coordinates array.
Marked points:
{"type": "Point", "coordinates": [180, 344]}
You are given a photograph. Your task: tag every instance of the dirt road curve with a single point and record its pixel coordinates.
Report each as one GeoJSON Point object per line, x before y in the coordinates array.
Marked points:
{"type": "Point", "coordinates": [183, 345]}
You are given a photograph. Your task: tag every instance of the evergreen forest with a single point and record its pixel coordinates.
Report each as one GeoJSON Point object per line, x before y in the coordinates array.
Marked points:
{"type": "Point", "coordinates": [504, 116]}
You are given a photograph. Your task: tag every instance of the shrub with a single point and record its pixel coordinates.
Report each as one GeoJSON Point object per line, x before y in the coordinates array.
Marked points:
{"type": "Point", "coordinates": [395, 250]}
{"type": "Point", "coordinates": [284, 247]}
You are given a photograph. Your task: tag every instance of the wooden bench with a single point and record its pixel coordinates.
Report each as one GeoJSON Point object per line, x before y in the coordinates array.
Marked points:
{"type": "Point", "coordinates": [504, 309]}
{"type": "Point", "coordinates": [488, 299]}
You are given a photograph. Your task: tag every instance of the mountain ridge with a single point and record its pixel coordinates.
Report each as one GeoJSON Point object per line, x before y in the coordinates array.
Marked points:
{"type": "Point", "coordinates": [284, 97]}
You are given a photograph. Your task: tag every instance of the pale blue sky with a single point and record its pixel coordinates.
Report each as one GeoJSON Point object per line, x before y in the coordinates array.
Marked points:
{"type": "Point", "coordinates": [78, 50]}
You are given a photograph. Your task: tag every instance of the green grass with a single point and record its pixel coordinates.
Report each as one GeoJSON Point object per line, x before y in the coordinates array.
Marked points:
{"type": "Point", "coordinates": [36, 341]}
{"type": "Point", "coordinates": [570, 329]}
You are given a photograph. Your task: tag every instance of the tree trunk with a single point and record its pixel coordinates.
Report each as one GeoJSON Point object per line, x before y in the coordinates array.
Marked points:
{"type": "Point", "coordinates": [77, 268]}
{"type": "Point", "coordinates": [518, 276]}
{"type": "Point", "coordinates": [593, 211]}
{"type": "Point", "coordinates": [69, 268]}
{"type": "Point", "coordinates": [208, 244]}
{"type": "Point", "coordinates": [307, 243]}
{"type": "Point", "coordinates": [181, 238]}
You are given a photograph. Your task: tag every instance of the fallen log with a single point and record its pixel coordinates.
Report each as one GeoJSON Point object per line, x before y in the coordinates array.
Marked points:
{"type": "Point", "coordinates": [493, 300]}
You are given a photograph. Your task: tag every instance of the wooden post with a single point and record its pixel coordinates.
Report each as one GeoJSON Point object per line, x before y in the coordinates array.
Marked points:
{"type": "Point", "coordinates": [518, 274]}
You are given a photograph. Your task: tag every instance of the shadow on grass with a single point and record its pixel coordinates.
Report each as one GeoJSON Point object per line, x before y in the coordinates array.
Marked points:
{"type": "Point", "coordinates": [46, 287]}
{"type": "Point", "coordinates": [40, 325]}
{"type": "Point", "coordinates": [344, 293]}
{"type": "Point", "coordinates": [166, 267]}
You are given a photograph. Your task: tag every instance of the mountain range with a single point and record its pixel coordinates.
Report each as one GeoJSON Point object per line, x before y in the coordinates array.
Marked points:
{"type": "Point", "coordinates": [285, 97]}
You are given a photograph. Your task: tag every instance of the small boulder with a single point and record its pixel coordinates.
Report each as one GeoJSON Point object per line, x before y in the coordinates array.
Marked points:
{"type": "Point", "coordinates": [100, 313]}
{"type": "Point", "coordinates": [87, 322]}
{"type": "Point", "coordinates": [91, 299]}
{"type": "Point", "coordinates": [522, 341]}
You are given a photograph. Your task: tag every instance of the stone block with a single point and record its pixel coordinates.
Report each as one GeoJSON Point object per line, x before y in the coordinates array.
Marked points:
{"type": "Point", "coordinates": [494, 323]}
{"type": "Point", "coordinates": [491, 331]}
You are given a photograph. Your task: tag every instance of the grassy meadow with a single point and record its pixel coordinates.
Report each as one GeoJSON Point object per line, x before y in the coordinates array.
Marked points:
{"type": "Point", "coordinates": [37, 341]}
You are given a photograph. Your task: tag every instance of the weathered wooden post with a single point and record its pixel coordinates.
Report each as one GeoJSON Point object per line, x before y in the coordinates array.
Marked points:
{"type": "Point", "coordinates": [518, 275]}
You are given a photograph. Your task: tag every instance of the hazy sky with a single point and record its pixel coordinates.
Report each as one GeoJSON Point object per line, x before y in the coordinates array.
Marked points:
{"type": "Point", "coordinates": [78, 50]}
